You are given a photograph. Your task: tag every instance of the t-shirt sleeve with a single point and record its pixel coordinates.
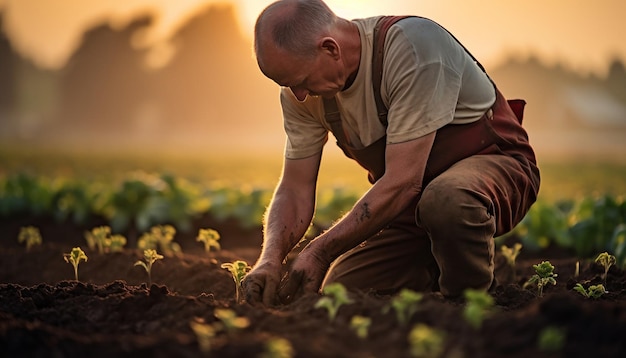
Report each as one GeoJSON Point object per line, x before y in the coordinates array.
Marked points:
{"type": "Point", "coordinates": [420, 80]}
{"type": "Point", "coordinates": [306, 135]}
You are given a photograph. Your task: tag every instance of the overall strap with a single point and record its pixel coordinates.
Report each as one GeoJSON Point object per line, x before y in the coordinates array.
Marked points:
{"type": "Point", "coordinates": [378, 54]}
{"type": "Point", "coordinates": [333, 118]}
{"type": "Point", "coordinates": [331, 109]}
{"type": "Point", "coordinates": [332, 115]}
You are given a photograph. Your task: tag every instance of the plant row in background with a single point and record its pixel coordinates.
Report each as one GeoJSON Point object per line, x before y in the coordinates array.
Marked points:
{"type": "Point", "coordinates": [144, 200]}
{"type": "Point", "coordinates": [588, 226]}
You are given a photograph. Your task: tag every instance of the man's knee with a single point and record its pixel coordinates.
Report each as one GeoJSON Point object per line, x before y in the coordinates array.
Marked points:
{"type": "Point", "coordinates": [461, 224]}
{"type": "Point", "coordinates": [448, 203]}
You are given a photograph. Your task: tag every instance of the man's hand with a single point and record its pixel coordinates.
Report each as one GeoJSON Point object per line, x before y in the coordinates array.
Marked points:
{"type": "Point", "coordinates": [286, 221]}
{"type": "Point", "coordinates": [306, 274]}
{"type": "Point", "coordinates": [261, 284]}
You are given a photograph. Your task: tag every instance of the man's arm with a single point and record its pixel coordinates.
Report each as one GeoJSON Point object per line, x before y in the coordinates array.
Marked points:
{"type": "Point", "coordinates": [291, 209]}
{"type": "Point", "coordinates": [286, 221]}
{"type": "Point", "coordinates": [401, 184]}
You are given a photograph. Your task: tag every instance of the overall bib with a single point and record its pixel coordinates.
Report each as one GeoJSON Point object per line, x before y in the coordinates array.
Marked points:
{"type": "Point", "coordinates": [480, 180]}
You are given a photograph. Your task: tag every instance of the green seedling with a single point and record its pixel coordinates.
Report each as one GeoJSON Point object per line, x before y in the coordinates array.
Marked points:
{"type": "Point", "coordinates": [426, 342]}
{"type": "Point", "coordinates": [335, 295]}
{"type": "Point", "coordinates": [74, 258]}
{"type": "Point", "coordinates": [544, 275]}
{"type": "Point", "coordinates": [96, 238]}
{"type": "Point", "coordinates": [606, 260]}
{"type": "Point", "coordinates": [360, 325]}
{"type": "Point", "coordinates": [100, 238]}
{"type": "Point", "coordinates": [210, 238]}
{"type": "Point", "coordinates": [29, 235]}
{"type": "Point", "coordinates": [204, 334]}
{"type": "Point", "coordinates": [150, 256]}
{"type": "Point", "coordinates": [478, 306]}
{"type": "Point", "coordinates": [115, 243]}
{"type": "Point", "coordinates": [551, 339]}
{"type": "Point", "coordinates": [277, 347]}
{"type": "Point", "coordinates": [594, 291]}
{"type": "Point", "coordinates": [405, 304]}
{"type": "Point", "coordinates": [510, 254]}
{"type": "Point", "coordinates": [238, 269]}
{"type": "Point", "coordinates": [160, 237]}
{"type": "Point", "coordinates": [229, 321]}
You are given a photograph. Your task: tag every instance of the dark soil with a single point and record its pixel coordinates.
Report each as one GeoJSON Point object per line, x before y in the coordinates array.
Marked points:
{"type": "Point", "coordinates": [111, 312]}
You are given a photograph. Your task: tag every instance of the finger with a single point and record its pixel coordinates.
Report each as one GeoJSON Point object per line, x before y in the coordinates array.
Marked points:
{"type": "Point", "coordinates": [311, 285]}
{"type": "Point", "coordinates": [252, 290]}
{"type": "Point", "coordinates": [270, 292]}
{"type": "Point", "coordinates": [290, 286]}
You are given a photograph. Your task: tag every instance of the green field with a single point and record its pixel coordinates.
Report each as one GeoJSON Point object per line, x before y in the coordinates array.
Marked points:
{"type": "Point", "coordinates": [561, 179]}
{"type": "Point", "coordinates": [580, 206]}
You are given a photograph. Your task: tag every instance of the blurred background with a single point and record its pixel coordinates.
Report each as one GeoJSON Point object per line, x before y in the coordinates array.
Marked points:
{"type": "Point", "coordinates": [178, 78]}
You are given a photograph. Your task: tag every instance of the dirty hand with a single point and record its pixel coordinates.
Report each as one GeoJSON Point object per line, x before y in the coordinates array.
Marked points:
{"type": "Point", "coordinates": [260, 285]}
{"type": "Point", "coordinates": [306, 274]}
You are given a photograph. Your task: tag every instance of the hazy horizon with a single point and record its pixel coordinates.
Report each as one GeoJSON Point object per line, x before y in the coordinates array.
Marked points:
{"type": "Point", "coordinates": [583, 37]}
{"type": "Point", "coordinates": [209, 95]}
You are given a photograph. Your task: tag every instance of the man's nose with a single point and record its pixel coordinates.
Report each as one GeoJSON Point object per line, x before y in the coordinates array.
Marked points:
{"type": "Point", "coordinates": [300, 93]}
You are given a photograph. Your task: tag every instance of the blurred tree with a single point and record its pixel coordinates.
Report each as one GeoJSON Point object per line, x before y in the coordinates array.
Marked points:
{"type": "Point", "coordinates": [616, 80]}
{"type": "Point", "coordinates": [28, 95]}
{"type": "Point", "coordinates": [209, 90]}
{"type": "Point", "coordinates": [213, 86]}
{"type": "Point", "coordinates": [103, 84]}
{"type": "Point", "coordinates": [7, 77]}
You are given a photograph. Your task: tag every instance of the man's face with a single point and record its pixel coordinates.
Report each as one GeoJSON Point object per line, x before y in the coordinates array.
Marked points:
{"type": "Point", "coordinates": [321, 75]}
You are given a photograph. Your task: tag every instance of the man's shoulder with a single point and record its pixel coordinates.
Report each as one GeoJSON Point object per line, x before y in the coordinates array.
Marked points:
{"type": "Point", "coordinates": [421, 33]}
{"type": "Point", "coordinates": [370, 22]}
{"type": "Point", "coordinates": [367, 23]}
{"type": "Point", "coordinates": [419, 23]}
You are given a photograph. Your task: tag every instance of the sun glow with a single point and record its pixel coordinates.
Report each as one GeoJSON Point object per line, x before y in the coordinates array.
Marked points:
{"type": "Point", "coordinates": [586, 36]}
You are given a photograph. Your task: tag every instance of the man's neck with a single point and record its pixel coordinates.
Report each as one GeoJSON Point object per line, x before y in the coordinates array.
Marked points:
{"type": "Point", "coordinates": [351, 50]}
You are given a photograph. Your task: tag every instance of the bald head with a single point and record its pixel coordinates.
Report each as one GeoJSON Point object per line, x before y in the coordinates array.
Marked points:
{"type": "Point", "coordinates": [293, 26]}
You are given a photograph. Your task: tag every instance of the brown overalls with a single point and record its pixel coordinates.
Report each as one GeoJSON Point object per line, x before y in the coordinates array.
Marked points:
{"type": "Point", "coordinates": [481, 178]}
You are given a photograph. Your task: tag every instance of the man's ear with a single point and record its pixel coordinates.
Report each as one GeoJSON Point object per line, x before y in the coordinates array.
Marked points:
{"type": "Point", "coordinates": [330, 46]}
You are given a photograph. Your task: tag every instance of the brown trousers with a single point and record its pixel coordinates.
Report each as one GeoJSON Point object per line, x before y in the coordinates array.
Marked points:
{"type": "Point", "coordinates": [444, 240]}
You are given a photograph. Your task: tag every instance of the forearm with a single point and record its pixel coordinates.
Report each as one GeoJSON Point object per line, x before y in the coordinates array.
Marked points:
{"type": "Point", "coordinates": [392, 193]}
{"type": "Point", "coordinates": [286, 221]}
{"type": "Point", "coordinates": [379, 206]}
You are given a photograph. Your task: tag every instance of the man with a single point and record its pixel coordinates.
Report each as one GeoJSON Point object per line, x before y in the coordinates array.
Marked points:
{"type": "Point", "coordinates": [429, 219]}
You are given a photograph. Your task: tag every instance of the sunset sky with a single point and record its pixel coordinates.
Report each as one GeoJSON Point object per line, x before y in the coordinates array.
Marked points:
{"type": "Point", "coordinates": [584, 35]}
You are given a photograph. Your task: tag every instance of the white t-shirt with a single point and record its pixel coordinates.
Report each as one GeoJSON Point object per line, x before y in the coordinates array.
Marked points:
{"type": "Point", "coordinates": [429, 81]}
